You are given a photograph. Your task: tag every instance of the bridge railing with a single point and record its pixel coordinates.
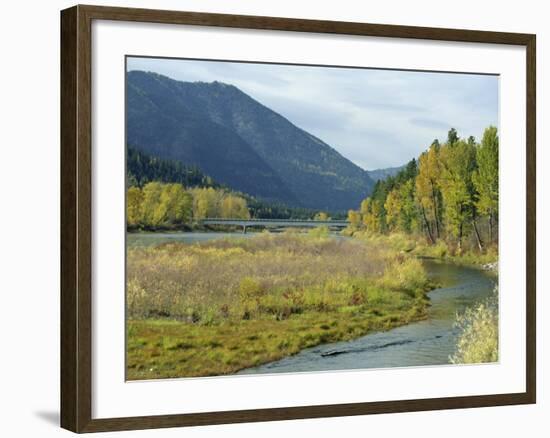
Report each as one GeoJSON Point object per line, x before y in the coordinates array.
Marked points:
{"type": "Point", "coordinates": [311, 221]}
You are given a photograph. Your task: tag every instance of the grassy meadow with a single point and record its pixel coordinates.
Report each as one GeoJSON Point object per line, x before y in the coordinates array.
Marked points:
{"type": "Point", "coordinates": [219, 306]}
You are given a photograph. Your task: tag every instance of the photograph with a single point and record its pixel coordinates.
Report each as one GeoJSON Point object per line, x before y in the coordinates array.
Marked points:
{"type": "Point", "coordinates": [267, 219]}
{"type": "Point", "coordinates": [291, 218]}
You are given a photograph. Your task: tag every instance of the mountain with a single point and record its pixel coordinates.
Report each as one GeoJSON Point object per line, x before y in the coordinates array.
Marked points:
{"type": "Point", "coordinates": [239, 142]}
{"type": "Point", "coordinates": [162, 122]}
{"type": "Point", "coordinates": [381, 174]}
{"type": "Point", "coordinates": [142, 168]}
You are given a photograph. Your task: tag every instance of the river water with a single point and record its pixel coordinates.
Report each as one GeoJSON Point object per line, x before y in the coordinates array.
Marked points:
{"type": "Point", "coordinates": [148, 239]}
{"type": "Point", "coordinates": [428, 342]}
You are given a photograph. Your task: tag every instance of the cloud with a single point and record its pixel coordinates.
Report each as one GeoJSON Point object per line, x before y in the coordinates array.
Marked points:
{"type": "Point", "coordinates": [430, 123]}
{"type": "Point", "coordinates": [376, 118]}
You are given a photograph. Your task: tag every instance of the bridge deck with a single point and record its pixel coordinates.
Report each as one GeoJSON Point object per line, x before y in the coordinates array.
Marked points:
{"type": "Point", "coordinates": [275, 222]}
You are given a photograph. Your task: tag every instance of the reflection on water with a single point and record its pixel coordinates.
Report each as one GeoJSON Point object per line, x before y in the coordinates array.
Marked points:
{"type": "Point", "coordinates": [428, 342]}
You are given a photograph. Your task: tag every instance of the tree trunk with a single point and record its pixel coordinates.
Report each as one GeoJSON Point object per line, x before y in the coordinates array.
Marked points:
{"type": "Point", "coordinates": [427, 225]}
{"type": "Point", "coordinates": [459, 245]}
{"type": "Point", "coordinates": [478, 237]}
{"type": "Point", "coordinates": [491, 227]}
{"type": "Point", "coordinates": [437, 232]}
{"type": "Point", "coordinates": [434, 202]}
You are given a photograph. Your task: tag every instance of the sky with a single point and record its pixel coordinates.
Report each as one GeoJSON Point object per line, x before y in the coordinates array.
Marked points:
{"type": "Point", "coordinates": [375, 118]}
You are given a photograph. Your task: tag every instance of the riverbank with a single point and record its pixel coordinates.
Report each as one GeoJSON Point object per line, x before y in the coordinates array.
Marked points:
{"type": "Point", "coordinates": [191, 227]}
{"type": "Point", "coordinates": [224, 305]}
{"type": "Point", "coordinates": [430, 341]}
{"type": "Point", "coordinates": [414, 245]}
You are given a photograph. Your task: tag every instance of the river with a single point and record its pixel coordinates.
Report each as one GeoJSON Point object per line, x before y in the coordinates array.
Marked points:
{"type": "Point", "coordinates": [428, 342]}
{"type": "Point", "coordinates": [148, 239]}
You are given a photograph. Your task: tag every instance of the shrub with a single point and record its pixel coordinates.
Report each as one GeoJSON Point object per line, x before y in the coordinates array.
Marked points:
{"type": "Point", "coordinates": [478, 338]}
{"type": "Point", "coordinates": [209, 316]}
{"type": "Point", "coordinates": [401, 242]}
{"type": "Point", "coordinates": [319, 232]}
{"type": "Point", "coordinates": [250, 288]}
{"type": "Point", "coordinates": [438, 250]}
{"type": "Point", "coordinates": [349, 231]}
{"type": "Point", "coordinates": [474, 257]}
{"type": "Point", "coordinates": [406, 275]}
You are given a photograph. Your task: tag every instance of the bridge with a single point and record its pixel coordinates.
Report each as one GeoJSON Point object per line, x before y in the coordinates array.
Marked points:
{"type": "Point", "coordinates": [276, 223]}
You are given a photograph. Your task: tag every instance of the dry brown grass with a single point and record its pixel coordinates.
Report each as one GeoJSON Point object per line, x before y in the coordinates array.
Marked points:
{"type": "Point", "coordinates": [219, 306]}
{"type": "Point", "coordinates": [189, 281]}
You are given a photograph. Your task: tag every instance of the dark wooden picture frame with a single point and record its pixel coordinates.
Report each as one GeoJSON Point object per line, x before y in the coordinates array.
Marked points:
{"type": "Point", "coordinates": [76, 218]}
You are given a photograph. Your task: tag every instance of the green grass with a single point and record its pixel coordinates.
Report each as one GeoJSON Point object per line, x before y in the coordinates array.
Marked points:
{"type": "Point", "coordinates": [168, 348]}
{"type": "Point", "coordinates": [474, 258]}
{"type": "Point", "coordinates": [221, 306]}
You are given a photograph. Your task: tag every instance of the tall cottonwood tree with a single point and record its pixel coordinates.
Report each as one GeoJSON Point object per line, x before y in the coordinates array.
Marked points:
{"type": "Point", "coordinates": [153, 213]}
{"type": "Point", "coordinates": [206, 203]}
{"type": "Point", "coordinates": [485, 178]}
{"type": "Point", "coordinates": [176, 205]}
{"type": "Point", "coordinates": [408, 211]}
{"type": "Point", "coordinates": [234, 207]}
{"type": "Point", "coordinates": [428, 191]}
{"type": "Point", "coordinates": [354, 218]}
{"type": "Point", "coordinates": [458, 162]}
{"type": "Point", "coordinates": [134, 200]}
{"type": "Point", "coordinates": [400, 205]}
{"type": "Point", "coordinates": [393, 210]}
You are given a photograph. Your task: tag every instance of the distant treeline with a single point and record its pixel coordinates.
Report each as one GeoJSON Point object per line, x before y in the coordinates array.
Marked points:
{"type": "Point", "coordinates": [451, 193]}
{"type": "Point", "coordinates": [143, 169]}
{"type": "Point", "coordinates": [277, 210]}
{"type": "Point", "coordinates": [170, 204]}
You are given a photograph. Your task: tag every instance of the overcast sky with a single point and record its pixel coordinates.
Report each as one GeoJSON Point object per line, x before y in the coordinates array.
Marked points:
{"type": "Point", "coordinates": [375, 118]}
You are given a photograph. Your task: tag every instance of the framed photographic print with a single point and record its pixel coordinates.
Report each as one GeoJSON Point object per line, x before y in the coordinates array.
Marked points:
{"type": "Point", "coordinates": [270, 218]}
